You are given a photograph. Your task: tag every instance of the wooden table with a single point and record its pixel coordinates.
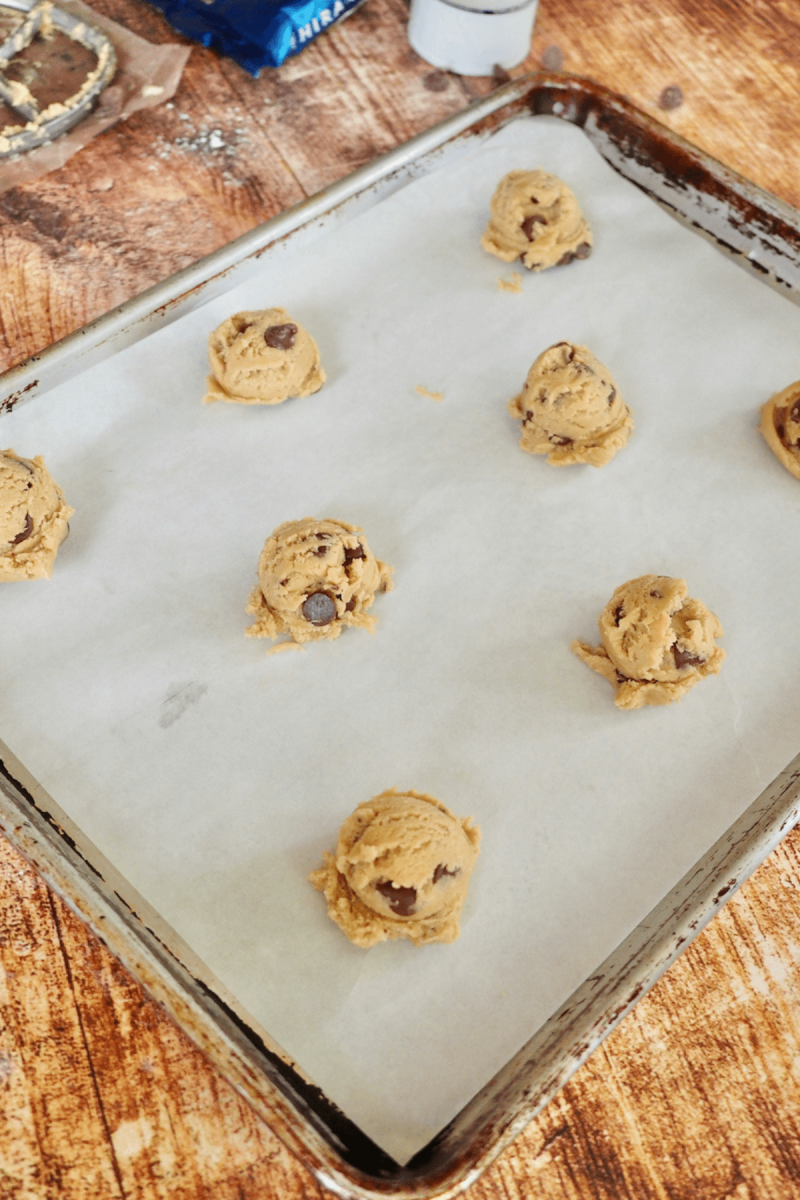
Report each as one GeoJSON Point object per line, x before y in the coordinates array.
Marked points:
{"type": "Point", "coordinates": [697, 1094]}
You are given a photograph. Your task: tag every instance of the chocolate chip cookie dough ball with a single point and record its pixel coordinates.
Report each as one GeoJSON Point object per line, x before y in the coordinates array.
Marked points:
{"type": "Point", "coordinates": [262, 358]}
{"type": "Point", "coordinates": [315, 578]}
{"type": "Point", "coordinates": [571, 409]}
{"type": "Point", "coordinates": [657, 642]}
{"type": "Point", "coordinates": [401, 870]}
{"type": "Point", "coordinates": [33, 518]}
{"type": "Point", "coordinates": [780, 425]}
{"type": "Point", "coordinates": [535, 218]}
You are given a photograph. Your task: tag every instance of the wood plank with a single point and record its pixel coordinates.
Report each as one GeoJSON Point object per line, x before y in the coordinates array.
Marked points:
{"type": "Point", "coordinates": [52, 1137]}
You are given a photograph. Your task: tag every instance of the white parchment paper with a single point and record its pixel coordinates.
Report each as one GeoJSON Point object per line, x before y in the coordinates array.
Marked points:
{"type": "Point", "coordinates": [214, 776]}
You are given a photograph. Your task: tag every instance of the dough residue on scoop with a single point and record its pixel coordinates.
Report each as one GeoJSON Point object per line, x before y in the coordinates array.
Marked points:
{"type": "Point", "coordinates": [780, 425]}
{"type": "Point", "coordinates": [571, 409]}
{"type": "Point", "coordinates": [401, 870]}
{"type": "Point", "coordinates": [535, 218]}
{"type": "Point", "coordinates": [657, 643]}
{"type": "Point", "coordinates": [315, 578]}
{"type": "Point", "coordinates": [34, 518]}
{"type": "Point", "coordinates": [262, 357]}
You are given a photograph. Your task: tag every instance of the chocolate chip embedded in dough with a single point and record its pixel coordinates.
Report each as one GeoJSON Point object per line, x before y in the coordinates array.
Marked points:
{"type": "Point", "coordinates": [583, 251]}
{"type": "Point", "coordinates": [619, 613]}
{"type": "Point", "coordinates": [558, 440]}
{"type": "Point", "coordinates": [565, 259]}
{"type": "Point", "coordinates": [441, 870]}
{"type": "Point", "coordinates": [612, 395]}
{"type": "Point", "coordinates": [319, 608]}
{"type": "Point", "coordinates": [529, 222]}
{"type": "Point", "coordinates": [281, 337]}
{"type": "Point", "coordinates": [350, 553]}
{"type": "Point", "coordinates": [401, 900]}
{"type": "Point", "coordinates": [683, 658]}
{"type": "Point", "coordinates": [26, 532]}
{"type": "Point", "coordinates": [795, 411]}
{"type": "Point", "coordinates": [351, 603]}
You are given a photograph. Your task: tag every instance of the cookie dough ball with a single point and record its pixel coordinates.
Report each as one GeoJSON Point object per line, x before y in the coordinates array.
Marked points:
{"type": "Point", "coordinates": [33, 518]}
{"type": "Point", "coordinates": [657, 642]}
{"type": "Point", "coordinates": [262, 358]}
{"type": "Point", "coordinates": [401, 870]}
{"type": "Point", "coordinates": [315, 578]}
{"type": "Point", "coordinates": [570, 408]}
{"type": "Point", "coordinates": [535, 218]}
{"type": "Point", "coordinates": [780, 425]}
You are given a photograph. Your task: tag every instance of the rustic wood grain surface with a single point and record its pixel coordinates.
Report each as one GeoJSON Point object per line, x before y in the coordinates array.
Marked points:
{"type": "Point", "coordinates": [697, 1094]}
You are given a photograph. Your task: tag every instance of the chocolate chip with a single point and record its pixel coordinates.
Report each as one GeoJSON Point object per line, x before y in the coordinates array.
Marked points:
{"type": "Point", "coordinates": [26, 532]}
{"type": "Point", "coordinates": [436, 81]}
{"type": "Point", "coordinates": [683, 658]}
{"type": "Point", "coordinates": [794, 415]}
{"type": "Point", "coordinates": [620, 677]}
{"type": "Point", "coordinates": [351, 603]}
{"type": "Point", "coordinates": [656, 595]}
{"type": "Point", "coordinates": [612, 395]}
{"type": "Point", "coordinates": [401, 900]}
{"type": "Point", "coordinates": [320, 551]}
{"type": "Point", "coordinates": [281, 337]}
{"type": "Point", "coordinates": [619, 613]}
{"type": "Point", "coordinates": [553, 58]}
{"type": "Point", "coordinates": [529, 222]}
{"type": "Point", "coordinates": [583, 251]}
{"type": "Point", "coordinates": [350, 554]}
{"type": "Point", "coordinates": [671, 97]}
{"type": "Point", "coordinates": [565, 259]}
{"type": "Point", "coordinates": [319, 608]}
{"type": "Point", "coordinates": [441, 870]}
{"type": "Point", "coordinates": [559, 441]}
{"type": "Point", "coordinates": [781, 432]}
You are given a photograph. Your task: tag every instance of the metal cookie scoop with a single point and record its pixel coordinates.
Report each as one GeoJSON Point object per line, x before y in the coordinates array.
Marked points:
{"type": "Point", "coordinates": [40, 126]}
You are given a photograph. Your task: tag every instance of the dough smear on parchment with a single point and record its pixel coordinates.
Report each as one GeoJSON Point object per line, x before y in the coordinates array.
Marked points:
{"type": "Point", "coordinates": [401, 870]}
{"type": "Point", "coordinates": [780, 425]}
{"type": "Point", "coordinates": [657, 643]}
{"type": "Point", "coordinates": [571, 409]}
{"type": "Point", "coordinates": [315, 578]}
{"type": "Point", "coordinates": [34, 518]}
{"type": "Point", "coordinates": [535, 218]}
{"type": "Point", "coordinates": [262, 357]}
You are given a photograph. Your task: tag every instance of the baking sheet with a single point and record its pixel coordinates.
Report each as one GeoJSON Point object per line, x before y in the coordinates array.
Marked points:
{"type": "Point", "coordinates": [214, 776]}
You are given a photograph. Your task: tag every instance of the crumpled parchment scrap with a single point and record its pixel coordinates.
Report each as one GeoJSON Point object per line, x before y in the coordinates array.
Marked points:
{"type": "Point", "coordinates": [147, 75]}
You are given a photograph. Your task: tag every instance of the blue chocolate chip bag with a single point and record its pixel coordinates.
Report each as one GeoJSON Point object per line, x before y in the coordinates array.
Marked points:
{"type": "Point", "coordinates": [255, 33]}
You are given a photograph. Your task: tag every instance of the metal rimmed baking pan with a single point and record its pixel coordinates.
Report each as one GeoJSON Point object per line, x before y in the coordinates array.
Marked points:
{"type": "Point", "coordinates": [764, 236]}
